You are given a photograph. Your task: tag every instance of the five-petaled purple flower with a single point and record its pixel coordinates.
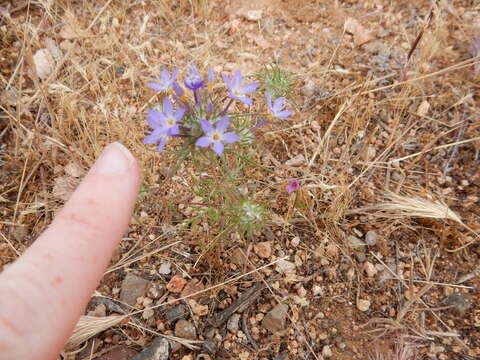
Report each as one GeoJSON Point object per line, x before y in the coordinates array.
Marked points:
{"type": "Point", "coordinates": [237, 90]}
{"type": "Point", "coordinates": [293, 185]}
{"type": "Point", "coordinates": [216, 135]}
{"type": "Point", "coordinates": [193, 80]}
{"type": "Point", "coordinates": [164, 124]}
{"type": "Point", "coordinates": [164, 82]}
{"type": "Point", "coordinates": [277, 108]}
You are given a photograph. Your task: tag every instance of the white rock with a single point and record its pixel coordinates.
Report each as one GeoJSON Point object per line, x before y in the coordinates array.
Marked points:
{"type": "Point", "coordinates": [148, 313]}
{"type": "Point", "coordinates": [363, 305]}
{"type": "Point", "coordinates": [369, 269]}
{"type": "Point", "coordinates": [232, 323]}
{"type": "Point", "coordinates": [295, 161]}
{"type": "Point", "coordinates": [317, 290]}
{"type": "Point", "coordinates": [253, 15]}
{"type": "Point", "coordinates": [198, 309]}
{"type": "Point", "coordinates": [295, 241]}
{"type": "Point", "coordinates": [355, 242]}
{"type": "Point", "coordinates": [54, 49]}
{"type": "Point", "coordinates": [74, 170]}
{"type": "Point", "coordinates": [284, 267]}
{"type": "Point", "coordinates": [351, 273]}
{"type": "Point", "coordinates": [165, 268]}
{"type": "Point", "coordinates": [326, 351]}
{"type": "Point", "coordinates": [371, 238]}
{"type": "Point", "coordinates": [44, 63]}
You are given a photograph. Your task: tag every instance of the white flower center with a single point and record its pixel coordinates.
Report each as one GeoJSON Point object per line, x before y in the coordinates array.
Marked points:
{"type": "Point", "coordinates": [170, 122]}
{"type": "Point", "coordinates": [216, 137]}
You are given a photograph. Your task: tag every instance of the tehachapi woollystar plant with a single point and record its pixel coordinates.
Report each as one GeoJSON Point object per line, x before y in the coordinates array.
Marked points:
{"type": "Point", "coordinates": [205, 119]}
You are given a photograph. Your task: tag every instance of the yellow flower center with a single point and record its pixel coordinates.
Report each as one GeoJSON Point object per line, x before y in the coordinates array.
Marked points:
{"type": "Point", "coordinates": [216, 137]}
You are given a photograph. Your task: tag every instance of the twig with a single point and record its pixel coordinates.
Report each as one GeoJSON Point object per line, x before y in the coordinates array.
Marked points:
{"type": "Point", "coordinates": [246, 331]}
{"type": "Point", "coordinates": [242, 302]}
{"type": "Point", "coordinates": [99, 14]}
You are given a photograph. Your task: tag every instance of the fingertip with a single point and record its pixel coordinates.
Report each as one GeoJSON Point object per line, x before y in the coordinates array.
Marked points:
{"type": "Point", "coordinates": [115, 160]}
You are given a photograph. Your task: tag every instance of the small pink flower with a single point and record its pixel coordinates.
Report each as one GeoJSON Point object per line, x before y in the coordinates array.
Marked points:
{"type": "Point", "coordinates": [293, 185]}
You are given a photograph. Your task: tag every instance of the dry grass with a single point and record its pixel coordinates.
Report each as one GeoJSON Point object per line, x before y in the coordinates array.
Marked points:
{"type": "Point", "coordinates": [404, 206]}
{"type": "Point", "coordinates": [89, 326]}
{"type": "Point", "coordinates": [397, 349]}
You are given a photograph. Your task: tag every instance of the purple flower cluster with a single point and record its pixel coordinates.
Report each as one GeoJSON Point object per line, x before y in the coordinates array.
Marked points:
{"type": "Point", "coordinates": [200, 116]}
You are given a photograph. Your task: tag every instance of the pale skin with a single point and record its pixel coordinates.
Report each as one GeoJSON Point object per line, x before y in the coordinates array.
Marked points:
{"type": "Point", "coordinates": [46, 290]}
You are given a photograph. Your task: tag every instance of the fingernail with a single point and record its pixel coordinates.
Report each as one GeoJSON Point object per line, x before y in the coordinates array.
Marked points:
{"type": "Point", "coordinates": [114, 160]}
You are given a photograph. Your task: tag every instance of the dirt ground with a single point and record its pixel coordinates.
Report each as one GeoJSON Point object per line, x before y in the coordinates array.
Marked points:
{"type": "Point", "coordinates": [382, 238]}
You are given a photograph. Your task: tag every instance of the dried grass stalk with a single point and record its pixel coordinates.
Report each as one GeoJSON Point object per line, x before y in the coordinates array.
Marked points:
{"type": "Point", "coordinates": [89, 326]}
{"type": "Point", "coordinates": [404, 206]}
{"type": "Point", "coordinates": [395, 349]}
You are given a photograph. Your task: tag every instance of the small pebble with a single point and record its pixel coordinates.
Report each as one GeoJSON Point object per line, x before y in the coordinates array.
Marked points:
{"type": "Point", "coordinates": [317, 290]}
{"type": "Point", "coordinates": [148, 313]}
{"type": "Point", "coordinates": [176, 284]}
{"type": "Point", "coordinates": [178, 312]}
{"type": "Point", "coordinates": [360, 256]}
{"type": "Point", "coordinates": [44, 63]}
{"type": "Point", "coordinates": [232, 323]}
{"type": "Point", "coordinates": [263, 249]}
{"type": "Point", "coordinates": [285, 267]}
{"type": "Point", "coordinates": [371, 238]}
{"type": "Point", "coordinates": [363, 305]}
{"type": "Point", "coordinates": [369, 269]}
{"type": "Point", "coordinates": [355, 242]}
{"type": "Point", "coordinates": [459, 303]}
{"type": "Point", "coordinates": [326, 351]}
{"type": "Point", "coordinates": [295, 241]}
{"type": "Point", "coordinates": [185, 329]}
{"type": "Point", "coordinates": [165, 268]}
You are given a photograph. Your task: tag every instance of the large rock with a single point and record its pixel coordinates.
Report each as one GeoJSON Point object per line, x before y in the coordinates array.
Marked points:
{"type": "Point", "coordinates": [158, 350]}
{"type": "Point", "coordinates": [276, 318]}
{"type": "Point", "coordinates": [132, 288]}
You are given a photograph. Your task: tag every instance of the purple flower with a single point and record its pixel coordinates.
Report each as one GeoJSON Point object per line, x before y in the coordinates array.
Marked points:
{"type": "Point", "coordinates": [178, 89]}
{"type": "Point", "coordinates": [209, 108]}
{"type": "Point", "coordinates": [277, 108]}
{"type": "Point", "coordinates": [237, 90]}
{"type": "Point", "coordinates": [293, 185]}
{"type": "Point", "coordinates": [170, 118]}
{"type": "Point", "coordinates": [210, 78]}
{"type": "Point", "coordinates": [157, 135]}
{"type": "Point", "coordinates": [163, 124]}
{"type": "Point", "coordinates": [193, 81]}
{"type": "Point", "coordinates": [210, 75]}
{"type": "Point", "coordinates": [179, 92]}
{"type": "Point", "coordinates": [164, 82]}
{"type": "Point", "coordinates": [216, 135]}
